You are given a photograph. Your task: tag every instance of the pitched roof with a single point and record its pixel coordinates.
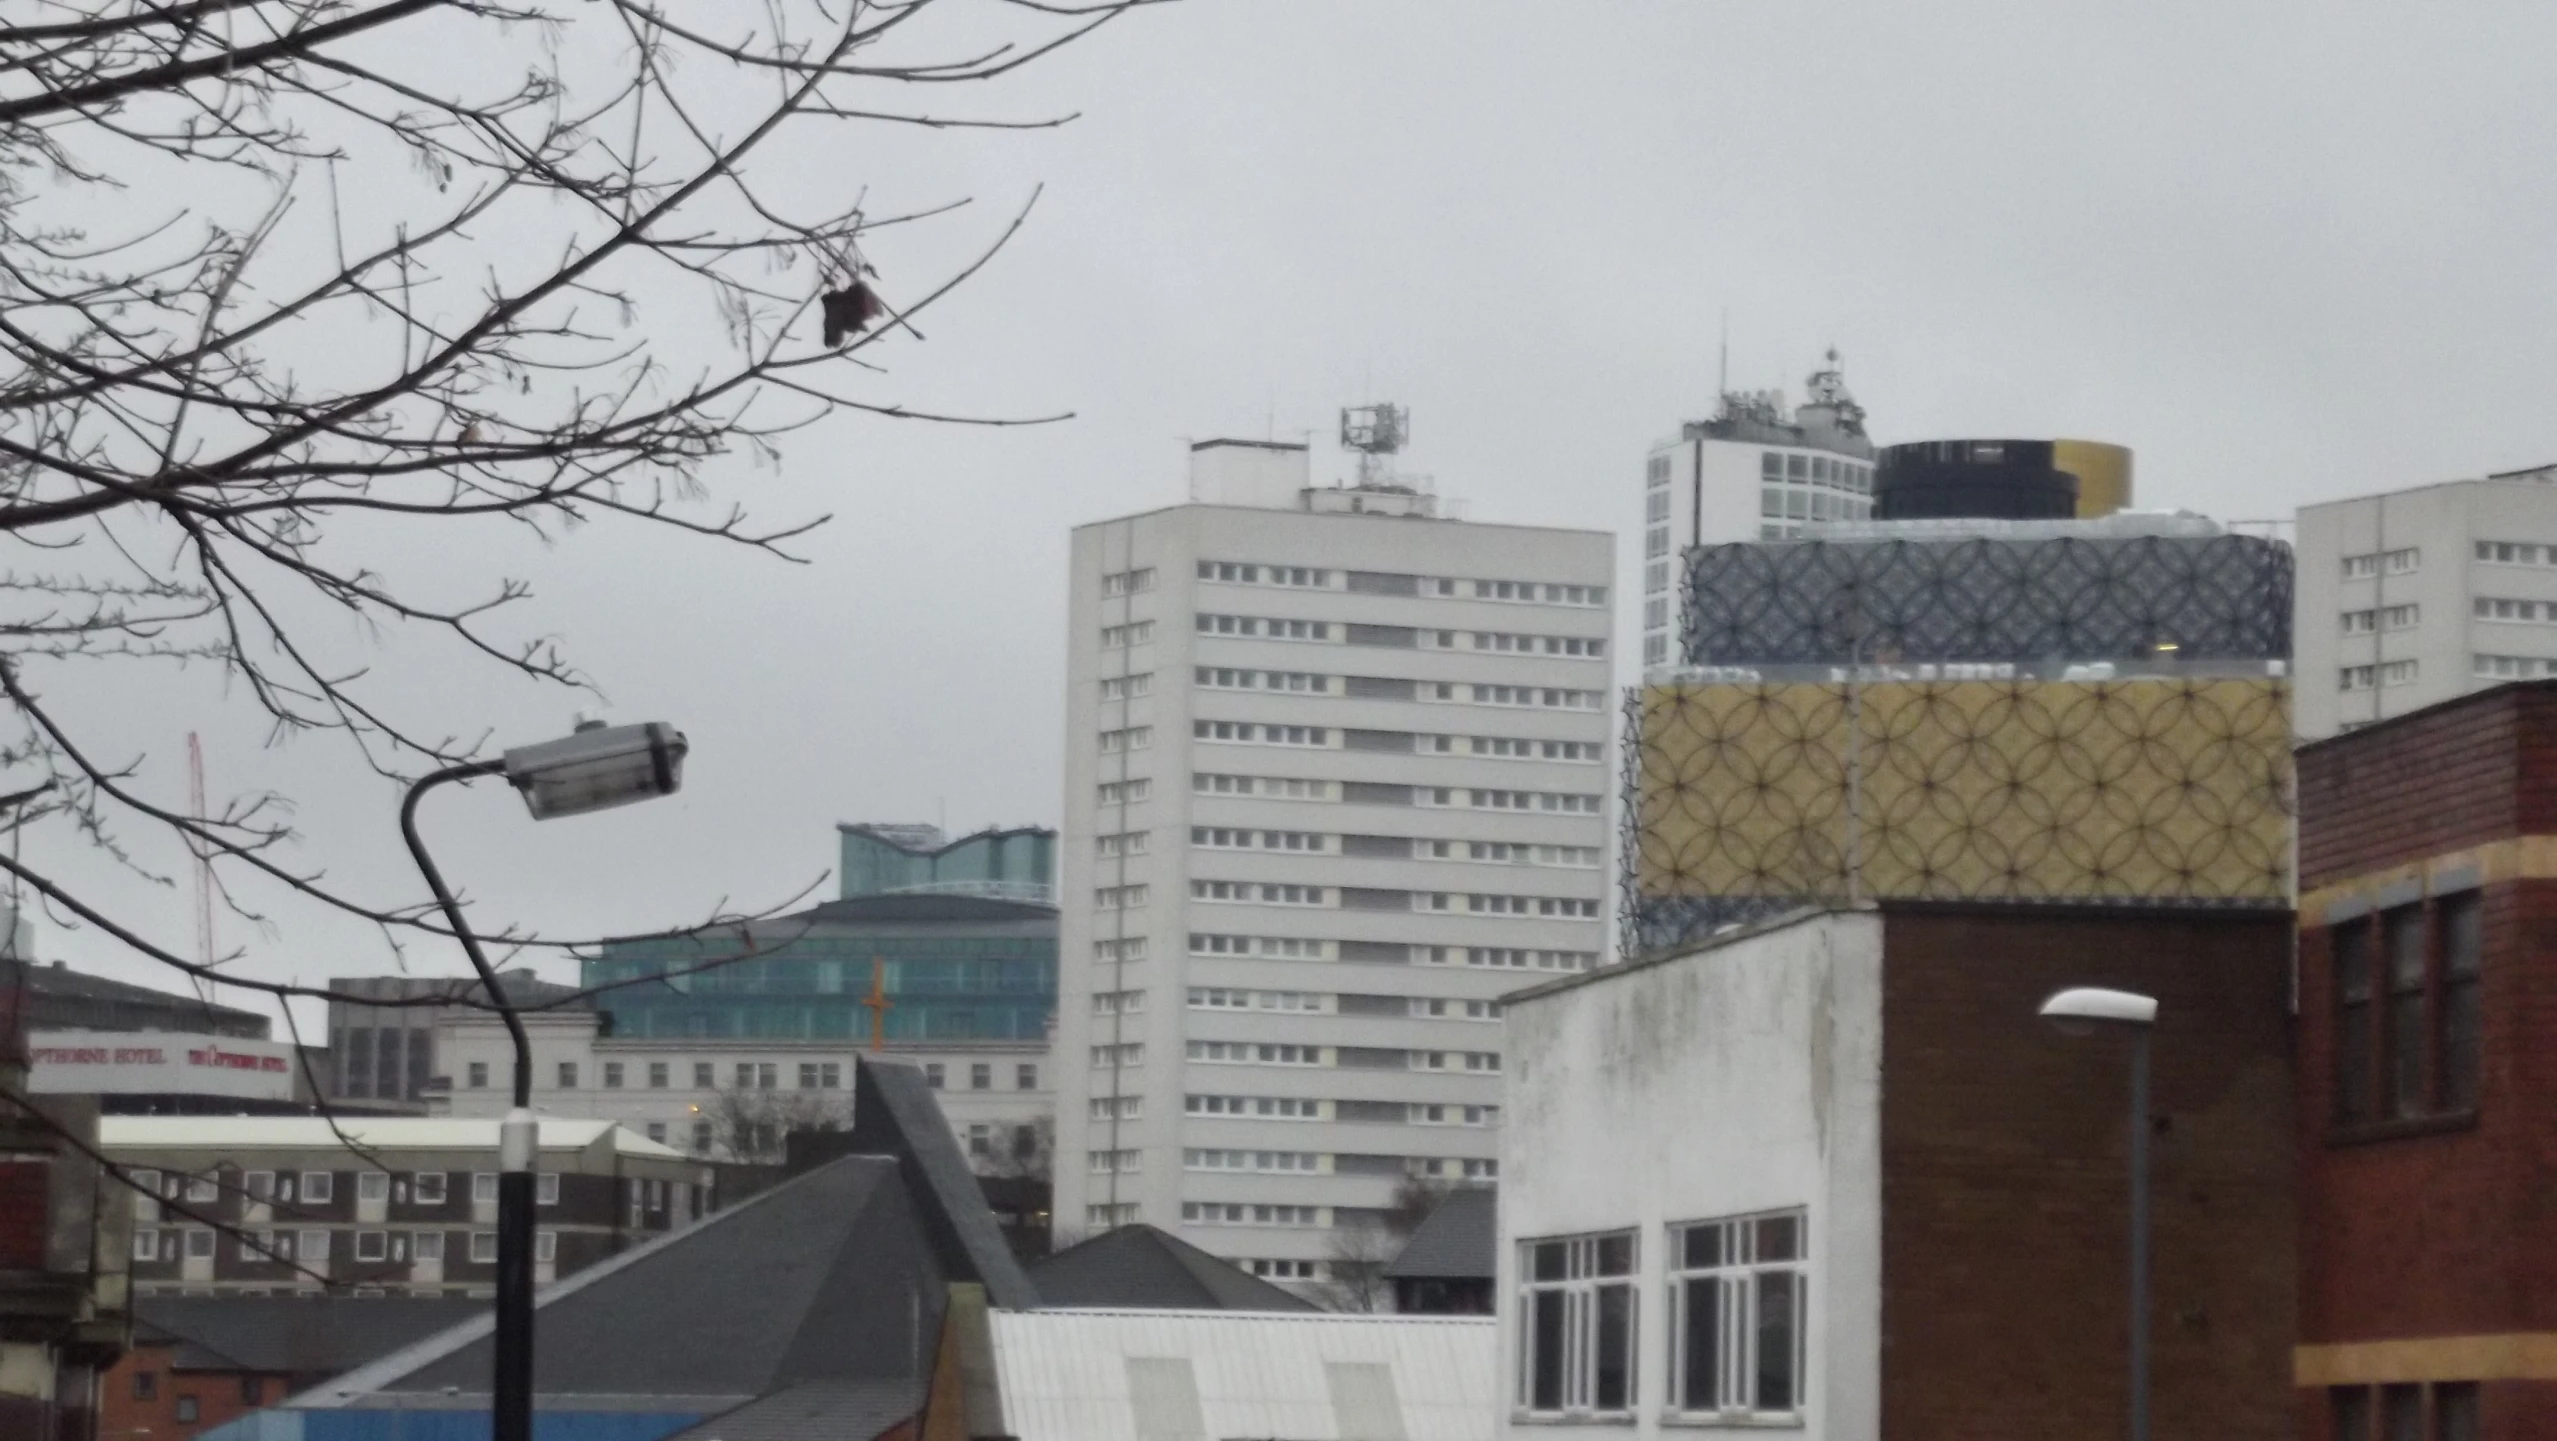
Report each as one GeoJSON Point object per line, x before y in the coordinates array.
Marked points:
{"type": "Point", "coordinates": [1141, 1266]}
{"type": "Point", "coordinates": [835, 1410]}
{"type": "Point", "coordinates": [895, 1114]}
{"type": "Point", "coordinates": [824, 1278]}
{"type": "Point", "coordinates": [1459, 1240]}
{"type": "Point", "coordinates": [377, 1133]}
{"type": "Point", "coordinates": [291, 1335]}
{"type": "Point", "coordinates": [1111, 1375]}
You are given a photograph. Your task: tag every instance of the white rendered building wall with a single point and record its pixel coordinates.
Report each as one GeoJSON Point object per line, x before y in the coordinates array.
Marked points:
{"type": "Point", "coordinates": [1739, 1079]}
{"type": "Point", "coordinates": [1135, 759]}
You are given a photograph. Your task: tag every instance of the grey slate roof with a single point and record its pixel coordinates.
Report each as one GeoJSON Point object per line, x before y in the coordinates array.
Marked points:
{"type": "Point", "coordinates": [834, 1410]}
{"type": "Point", "coordinates": [894, 1114]}
{"type": "Point", "coordinates": [291, 1335]}
{"type": "Point", "coordinates": [827, 1277]}
{"type": "Point", "coordinates": [924, 908]}
{"type": "Point", "coordinates": [1139, 1266]}
{"type": "Point", "coordinates": [1459, 1241]}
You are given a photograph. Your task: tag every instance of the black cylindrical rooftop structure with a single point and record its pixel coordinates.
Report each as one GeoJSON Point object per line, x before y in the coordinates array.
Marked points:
{"type": "Point", "coordinates": [1973, 480]}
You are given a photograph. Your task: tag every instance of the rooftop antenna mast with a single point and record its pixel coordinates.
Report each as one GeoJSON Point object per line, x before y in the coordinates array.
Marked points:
{"type": "Point", "coordinates": [1377, 433]}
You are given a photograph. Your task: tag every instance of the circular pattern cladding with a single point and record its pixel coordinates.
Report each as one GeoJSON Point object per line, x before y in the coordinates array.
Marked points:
{"type": "Point", "coordinates": [2171, 791]}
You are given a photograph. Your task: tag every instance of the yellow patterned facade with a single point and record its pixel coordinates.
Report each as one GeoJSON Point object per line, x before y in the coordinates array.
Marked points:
{"type": "Point", "coordinates": [2165, 789]}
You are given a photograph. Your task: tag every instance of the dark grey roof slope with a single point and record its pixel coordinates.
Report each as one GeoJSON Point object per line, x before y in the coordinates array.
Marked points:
{"type": "Point", "coordinates": [827, 1277]}
{"type": "Point", "coordinates": [291, 1335]}
{"type": "Point", "coordinates": [1459, 1241]}
{"type": "Point", "coordinates": [56, 995]}
{"type": "Point", "coordinates": [1141, 1266]}
{"type": "Point", "coordinates": [835, 1410]}
{"type": "Point", "coordinates": [894, 1114]}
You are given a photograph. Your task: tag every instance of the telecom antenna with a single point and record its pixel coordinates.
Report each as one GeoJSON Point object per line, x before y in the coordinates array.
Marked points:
{"type": "Point", "coordinates": [1377, 433]}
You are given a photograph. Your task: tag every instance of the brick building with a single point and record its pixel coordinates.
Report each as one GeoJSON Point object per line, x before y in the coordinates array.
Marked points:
{"type": "Point", "coordinates": [255, 1205]}
{"type": "Point", "coordinates": [1831, 1174]}
{"type": "Point", "coordinates": [199, 1361]}
{"type": "Point", "coordinates": [2427, 1082]}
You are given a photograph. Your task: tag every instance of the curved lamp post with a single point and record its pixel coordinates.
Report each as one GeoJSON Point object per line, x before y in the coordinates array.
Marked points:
{"type": "Point", "coordinates": [594, 769]}
{"type": "Point", "coordinates": [2086, 1010]}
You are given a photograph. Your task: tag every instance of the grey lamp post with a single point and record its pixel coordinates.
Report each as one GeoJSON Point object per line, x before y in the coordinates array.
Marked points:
{"type": "Point", "coordinates": [593, 769]}
{"type": "Point", "coordinates": [2083, 1010]}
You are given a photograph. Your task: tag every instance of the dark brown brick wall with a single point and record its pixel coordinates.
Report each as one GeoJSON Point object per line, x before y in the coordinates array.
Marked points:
{"type": "Point", "coordinates": [2005, 1186]}
{"type": "Point", "coordinates": [2477, 769]}
{"type": "Point", "coordinates": [2452, 1233]}
{"type": "Point", "coordinates": [25, 1205]}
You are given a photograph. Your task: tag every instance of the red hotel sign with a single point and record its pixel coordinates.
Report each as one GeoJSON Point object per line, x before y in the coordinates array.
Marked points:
{"type": "Point", "coordinates": [127, 1063]}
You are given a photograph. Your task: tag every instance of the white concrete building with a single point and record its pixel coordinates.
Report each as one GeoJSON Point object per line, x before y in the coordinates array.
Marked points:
{"type": "Point", "coordinates": [1705, 1128]}
{"type": "Point", "coordinates": [1753, 472]}
{"type": "Point", "coordinates": [734, 1100]}
{"type": "Point", "coordinates": [2411, 598]}
{"type": "Point", "coordinates": [1336, 778]}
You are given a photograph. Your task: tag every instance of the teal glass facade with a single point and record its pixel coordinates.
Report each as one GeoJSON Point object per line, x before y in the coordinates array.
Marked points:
{"type": "Point", "coordinates": [953, 968]}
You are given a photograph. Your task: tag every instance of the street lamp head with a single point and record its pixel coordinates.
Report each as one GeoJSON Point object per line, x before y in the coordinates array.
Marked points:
{"type": "Point", "coordinates": [2083, 1009]}
{"type": "Point", "coordinates": [596, 768]}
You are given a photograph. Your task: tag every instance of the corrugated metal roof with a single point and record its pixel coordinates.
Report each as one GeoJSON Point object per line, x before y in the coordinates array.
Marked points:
{"type": "Point", "coordinates": [377, 1133]}
{"type": "Point", "coordinates": [1112, 1375]}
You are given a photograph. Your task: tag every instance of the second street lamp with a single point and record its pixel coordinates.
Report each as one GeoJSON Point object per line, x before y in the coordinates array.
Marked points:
{"type": "Point", "coordinates": [2083, 1010]}
{"type": "Point", "coordinates": [595, 768]}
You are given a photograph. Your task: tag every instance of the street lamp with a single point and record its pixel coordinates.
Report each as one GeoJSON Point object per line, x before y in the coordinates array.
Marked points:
{"type": "Point", "coordinates": [2085, 1010]}
{"type": "Point", "coordinates": [593, 769]}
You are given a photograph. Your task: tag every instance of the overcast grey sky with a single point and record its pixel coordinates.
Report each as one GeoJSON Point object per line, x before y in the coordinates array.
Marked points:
{"type": "Point", "coordinates": [2284, 251]}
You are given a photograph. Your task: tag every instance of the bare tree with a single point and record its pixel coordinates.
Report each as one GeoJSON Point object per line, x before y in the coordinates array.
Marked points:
{"type": "Point", "coordinates": [290, 289]}
{"type": "Point", "coordinates": [755, 1125]}
{"type": "Point", "coordinates": [288, 285]}
{"type": "Point", "coordinates": [1361, 1248]}
{"type": "Point", "coordinates": [1026, 1153]}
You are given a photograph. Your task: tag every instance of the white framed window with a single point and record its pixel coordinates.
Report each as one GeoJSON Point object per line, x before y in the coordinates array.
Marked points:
{"type": "Point", "coordinates": [546, 1188]}
{"type": "Point", "coordinates": [1266, 1108]}
{"type": "Point", "coordinates": [1125, 843]}
{"type": "Point", "coordinates": [146, 1244]}
{"type": "Point", "coordinates": [313, 1245]}
{"type": "Point", "coordinates": [1125, 949]}
{"type": "Point", "coordinates": [1132, 738]}
{"type": "Point", "coordinates": [372, 1246]}
{"type": "Point", "coordinates": [1118, 1003]}
{"type": "Point", "coordinates": [1119, 793]}
{"type": "Point", "coordinates": [1119, 898]}
{"type": "Point", "coordinates": [1230, 1213]}
{"type": "Point", "coordinates": [1263, 1162]}
{"type": "Point", "coordinates": [484, 1187]}
{"type": "Point", "coordinates": [1121, 1163]}
{"type": "Point", "coordinates": [199, 1243]}
{"type": "Point", "coordinates": [1254, 1053]}
{"type": "Point", "coordinates": [1116, 1108]}
{"type": "Point", "coordinates": [1128, 582]}
{"type": "Point", "coordinates": [428, 1188]}
{"type": "Point", "coordinates": [1119, 637]}
{"type": "Point", "coordinates": [372, 1185]}
{"type": "Point", "coordinates": [2506, 552]}
{"type": "Point", "coordinates": [475, 1075]}
{"type": "Point", "coordinates": [1738, 1292]}
{"type": "Point", "coordinates": [1127, 687]}
{"type": "Point", "coordinates": [1123, 1214]}
{"type": "Point", "coordinates": [1577, 1324]}
{"type": "Point", "coordinates": [427, 1245]}
{"type": "Point", "coordinates": [484, 1248]}
{"type": "Point", "coordinates": [318, 1187]}
{"type": "Point", "coordinates": [1121, 1056]}
{"type": "Point", "coordinates": [2503, 667]}
{"type": "Point", "coordinates": [546, 1246]}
